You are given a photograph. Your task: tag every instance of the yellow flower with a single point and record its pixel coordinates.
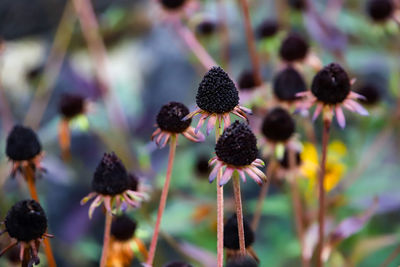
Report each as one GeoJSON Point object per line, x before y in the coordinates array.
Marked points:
{"type": "Point", "coordinates": [335, 168]}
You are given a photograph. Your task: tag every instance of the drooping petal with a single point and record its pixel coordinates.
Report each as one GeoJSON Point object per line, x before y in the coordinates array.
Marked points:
{"type": "Point", "coordinates": [227, 120]}
{"type": "Point", "coordinates": [317, 111]}
{"type": "Point", "coordinates": [157, 131]}
{"type": "Point", "coordinates": [358, 108]}
{"type": "Point", "coordinates": [340, 116]}
{"type": "Point", "coordinates": [258, 172]}
{"type": "Point", "coordinates": [253, 176]}
{"type": "Point", "coordinates": [357, 96]}
{"type": "Point", "coordinates": [246, 110]}
{"type": "Point", "coordinates": [242, 175]}
{"type": "Point", "coordinates": [226, 176]}
{"type": "Point", "coordinates": [97, 201]}
{"type": "Point", "coordinates": [211, 123]}
{"type": "Point", "coordinates": [88, 197]}
{"type": "Point", "coordinates": [200, 123]}
{"type": "Point", "coordinates": [192, 114]}
{"type": "Point", "coordinates": [214, 172]}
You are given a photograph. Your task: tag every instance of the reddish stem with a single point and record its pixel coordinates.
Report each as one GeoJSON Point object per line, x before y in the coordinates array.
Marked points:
{"type": "Point", "coordinates": [163, 201]}
{"type": "Point", "coordinates": [106, 239]}
{"type": "Point", "coordinates": [220, 207]}
{"type": "Point", "coordinates": [251, 45]}
{"type": "Point", "coordinates": [321, 189]}
{"type": "Point", "coordinates": [239, 213]}
{"type": "Point", "coordinates": [391, 257]}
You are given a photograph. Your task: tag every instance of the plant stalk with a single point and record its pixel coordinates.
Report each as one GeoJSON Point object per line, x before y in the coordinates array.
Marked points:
{"type": "Point", "coordinates": [163, 201]}
{"type": "Point", "coordinates": [321, 189]}
{"type": "Point", "coordinates": [106, 239]}
{"type": "Point", "coordinates": [239, 212]}
{"type": "Point", "coordinates": [220, 207]}
{"type": "Point", "coordinates": [391, 257]}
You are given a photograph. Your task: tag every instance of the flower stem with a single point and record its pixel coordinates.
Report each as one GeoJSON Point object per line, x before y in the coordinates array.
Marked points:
{"type": "Point", "coordinates": [163, 201]}
{"type": "Point", "coordinates": [220, 207]}
{"type": "Point", "coordinates": [391, 257]}
{"type": "Point", "coordinates": [321, 189]}
{"type": "Point", "coordinates": [251, 45]}
{"type": "Point", "coordinates": [30, 179]}
{"type": "Point", "coordinates": [106, 239]}
{"type": "Point", "coordinates": [239, 212]}
{"type": "Point", "coordinates": [262, 196]}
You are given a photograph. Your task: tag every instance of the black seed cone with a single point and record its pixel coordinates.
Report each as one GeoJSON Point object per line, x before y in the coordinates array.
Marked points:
{"type": "Point", "coordinates": [123, 228]}
{"type": "Point", "coordinates": [371, 92]}
{"type": "Point", "coordinates": [206, 27]}
{"type": "Point", "coordinates": [246, 80]}
{"type": "Point", "coordinates": [177, 264]}
{"type": "Point", "coordinates": [293, 48]}
{"type": "Point", "coordinates": [237, 145]}
{"type": "Point", "coordinates": [278, 125]}
{"type": "Point", "coordinates": [110, 177]}
{"type": "Point", "coordinates": [217, 92]}
{"type": "Point", "coordinates": [172, 4]}
{"type": "Point", "coordinates": [267, 28]}
{"type": "Point", "coordinates": [231, 236]}
{"type": "Point", "coordinates": [297, 4]}
{"type": "Point", "coordinates": [288, 83]}
{"type": "Point", "coordinates": [26, 221]}
{"type": "Point", "coordinates": [71, 105]}
{"type": "Point", "coordinates": [22, 144]}
{"type": "Point", "coordinates": [202, 167]}
{"type": "Point", "coordinates": [380, 10]}
{"type": "Point", "coordinates": [133, 182]}
{"type": "Point", "coordinates": [285, 162]}
{"type": "Point", "coordinates": [242, 261]}
{"type": "Point", "coordinates": [170, 117]}
{"type": "Point", "coordinates": [331, 85]}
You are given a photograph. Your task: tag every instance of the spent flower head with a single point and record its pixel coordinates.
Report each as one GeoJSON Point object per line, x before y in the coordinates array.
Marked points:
{"type": "Point", "coordinates": [293, 48]}
{"type": "Point", "coordinates": [278, 126]}
{"type": "Point", "coordinates": [287, 83]}
{"type": "Point", "coordinates": [380, 10]}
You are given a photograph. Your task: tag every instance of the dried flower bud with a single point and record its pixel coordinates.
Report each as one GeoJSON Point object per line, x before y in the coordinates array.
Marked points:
{"type": "Point", "coordinates": [267, 29]}
{"type": "Point", "coordinates": [293, 48]}
{"type": "Point", "coordinates": [22, 144]}
{"type": "Point", "coordinates": [172, 4]}
{"type": "Point", "coordinates": [242, 261]}
{"type": "Point", "coordinates": [331, 85]}
{"type": "Point", "coordinates": [206, 27]}
{"type": "Point", "coordinates": [217, 92]}
{"type": "Point", "coordinates": [288, 83]}
{"type": "Point", "coordinates": [26, 221]}
{"type": "Point", "coordinates": [371, 92]}
{"type": "Point", "coordinates": [278, 125]}
{"type": "Point", "coordinates": [133, 182]}
{"type": "Point", "coordinates": [170, 117]}
{"type": "Point", "coordinates": [71, 105]}
{"type": "Point", "coordinates": [110, 177]}
{"type": "Point", "coordinates": [246, 80]}
{"type": "Point", "coordinates": [202, 167]}
{"type": "Point", "coordinates": [123, 228]}
{"type": "Point", "coordinates": [380, 10]}
{"type": "Point", "coordinates": [231, 236]}
{"type": "Point", "coordinates": [237, 145]}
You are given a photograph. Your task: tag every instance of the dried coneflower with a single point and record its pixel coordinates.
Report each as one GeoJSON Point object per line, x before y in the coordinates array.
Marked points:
{"type": "Point", "coordinates": [293, 48]}
{"type": "Point", "coordinates": [372, 93]}
{"type": "Point", "coordinates": [242, 261]}
{"type": "Point", "coordinates": [201, 167]}
{"type": "Point", "coordinates": [231, 238]}
{"type": "Point", "coordinates": [278, 126]}
{"type": "Point", "coordinates": [236, 154]}
{"type": "Point", "coordinates": [122, 240]}
{"type": "Point", "coordinates": [206, 27]}
{"type": "Point", "coordinates": [171, 121]}
{"type": "Point", "coordinates": [267, 29]}
{"type": "Point", "coordinates": [380, 10]}
{"type": "Point", "coordinates": [70, 107]}
{"type": "Point", "coordinates": [246, 80]}
{"type": "Point", "coordinates": [26, 224]}
{"type": "Point", "coordinates": [217, 97]}
{"type": "Point", "coordinates": [111, 186]}
{"type": "Point", "coordinates": [287, 83]}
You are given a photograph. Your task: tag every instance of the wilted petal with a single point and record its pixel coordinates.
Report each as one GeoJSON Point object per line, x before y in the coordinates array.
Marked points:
{"type": "Point", "coordinates": [340, 117]}
{"type": "Point", "coordinates": [226, 176]}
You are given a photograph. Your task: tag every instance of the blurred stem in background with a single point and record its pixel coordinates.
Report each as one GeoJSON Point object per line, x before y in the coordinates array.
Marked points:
{"type": "Point", "coordinates": [239, 212]}
{"type": "Point", "coordinates": [5, 111]}
{"type": "Point", "coordinates": [251, 45]}
{"type": "Point", "coordinates": [163, 200]}
{"type": "Point", "coordinates": [321, 191]}
{"type": "Point", "coordinates": [391, 257]}
{"type": "Point", "coordinates": [220, 206]}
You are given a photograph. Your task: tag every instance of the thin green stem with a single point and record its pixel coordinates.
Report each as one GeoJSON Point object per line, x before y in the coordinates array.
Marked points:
{"type": "Point", "coordinates": [163, 201]}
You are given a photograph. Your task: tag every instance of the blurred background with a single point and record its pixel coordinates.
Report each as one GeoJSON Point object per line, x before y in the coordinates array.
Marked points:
{"type": "Point", "coordinates": [127, 58]}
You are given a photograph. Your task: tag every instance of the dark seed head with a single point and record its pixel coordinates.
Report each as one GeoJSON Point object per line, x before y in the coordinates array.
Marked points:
{"type": "Point", "coordinates": [284, 162]}
{"type": "Point", "coordinates": [172, 4]}
{"type": "Point", "coordinates": [278, 125]}
{"type": "Point", "coordinates": [110, 177]}
{"type": "Point", "coordinates": [231, 236]}
{"type": "Point", "coordinates": [242, 261]}
{"type": "Point", "coordinates": [22, 144]}
{"type": "Point", "coordinates": [267, 29]}
{"type": "Point", "coordinates": [202, 167]}
{"type": "Point", "coordinates": [331, 85]}
{"type": "Point", "coordinates": [237, 145]}
{"type": "Point", "coordinates": [133, 182]}
{"type": "Point", "coordinates": [217, 92]}
{"type": "Point", "coordinates": [288, 83]}
{"type": "Point", "coordinates": [297, 4]}
{"type": "Point", "coordinates": [293, 48]}
{"type": "Point", "coordinates": [123, 228]}
{"type": "Point", "coordinates": [170, 117]}
{"type": "Point", "coordinates": [177, 264]}
{"type": "Point", "coordinates": [371, 92]}
{"type": "Point", "coordinates": [71, 105]}
{"type": "Point", "coordinates": [380, 10]}
{"type": "Point", "coordinates": [246, 80]}
{"type": "Point", "coordinates": [206, 27]}
{"type": "Point", "coordinates": [26, 221]}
